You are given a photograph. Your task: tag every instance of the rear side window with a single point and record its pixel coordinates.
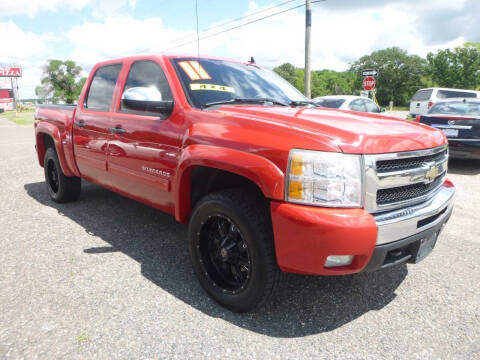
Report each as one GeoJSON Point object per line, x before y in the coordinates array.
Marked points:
{"type": "Point", "coordinates": [422, 95]}
{"type": "Point", "coordinates": [331, 103]}
{"type": "Point", "coordinates": [371, 106]}
{"type": "Point", "coordinates": [444, 94]}
{"type": "Point", "coordinates": [148, 74]}
{"type": "Point", "coordinates": [101, 89]}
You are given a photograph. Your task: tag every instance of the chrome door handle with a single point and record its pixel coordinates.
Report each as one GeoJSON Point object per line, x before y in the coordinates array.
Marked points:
{"type": "Point", "coordinates": [79, 123]}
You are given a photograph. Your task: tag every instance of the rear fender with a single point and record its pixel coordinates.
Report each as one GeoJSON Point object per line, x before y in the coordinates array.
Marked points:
{"type": "Point", "coordinates": [44, 128]}
{"type": "Point", "coordinates": [265, 174]}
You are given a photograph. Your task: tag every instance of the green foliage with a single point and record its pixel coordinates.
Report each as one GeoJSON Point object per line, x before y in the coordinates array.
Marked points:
{"type": "Point", "coordinates": [61, 81]}
{"type": "Point", "coordinates": [457, 68]}
{"type": "Point", "coordinates": [400, 74]}
{"type": "Point", "coordinates": [323, 82]}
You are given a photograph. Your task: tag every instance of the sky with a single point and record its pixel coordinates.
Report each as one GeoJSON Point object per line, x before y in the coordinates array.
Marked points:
{"type": "Point", "coordinates": [88, 31]}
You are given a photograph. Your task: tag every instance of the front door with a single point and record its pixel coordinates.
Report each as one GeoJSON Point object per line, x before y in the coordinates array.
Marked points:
{"type": "Point", "coordinates": [143, 148]}
{"type": "Point", "coordinates": [92, 123]}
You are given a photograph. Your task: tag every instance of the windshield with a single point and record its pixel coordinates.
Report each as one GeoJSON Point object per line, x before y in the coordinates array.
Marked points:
{"type": "Point", "coordinates": [461, 108]}
{"type": "Point", "coordinates": [207, 81]}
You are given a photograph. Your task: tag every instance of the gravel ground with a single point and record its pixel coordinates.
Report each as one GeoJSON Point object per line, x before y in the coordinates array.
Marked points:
{"type": "Point", "coordinates": [106, 277]}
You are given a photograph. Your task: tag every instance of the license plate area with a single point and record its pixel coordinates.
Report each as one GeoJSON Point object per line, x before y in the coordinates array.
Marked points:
{"type": "Point", "coordinates": [423, 247]}
{"type": "Point", "coordinates": [450, 132]}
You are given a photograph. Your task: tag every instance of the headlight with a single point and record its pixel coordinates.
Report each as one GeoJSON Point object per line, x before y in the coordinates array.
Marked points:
{"type": "Point", "coordinates": [324, 179]}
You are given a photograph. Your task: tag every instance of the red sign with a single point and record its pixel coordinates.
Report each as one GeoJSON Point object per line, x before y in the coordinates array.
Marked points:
{"type": "Point", "coordinates": [10, 71]}
{"type": "Point", "coordinates": [369, 83]}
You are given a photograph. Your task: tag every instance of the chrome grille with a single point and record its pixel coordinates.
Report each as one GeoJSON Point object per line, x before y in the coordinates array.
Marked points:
{"type": "Point", "coordinates": [396, 180]}
{"type": "Point", "coordinates": [408, 163]}
{"type": "Point", "coordinates": [408, 192]}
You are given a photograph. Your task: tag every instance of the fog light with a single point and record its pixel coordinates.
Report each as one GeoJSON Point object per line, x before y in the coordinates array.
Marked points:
{"type": "Point", "coordinates": [338, 260]}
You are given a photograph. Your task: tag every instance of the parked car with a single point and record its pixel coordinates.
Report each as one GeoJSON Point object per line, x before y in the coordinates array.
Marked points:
{"type": "Point", "coordinates": [266, 181]}
{"type": "Point", "coordinates": [348, 102]}
{"type": "Point", "coordinates": [459, 119]}
{"type": "Point", "coordinates": [424, 99]}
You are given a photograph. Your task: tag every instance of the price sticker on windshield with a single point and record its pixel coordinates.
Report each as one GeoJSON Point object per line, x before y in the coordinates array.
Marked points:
{"type": "Point", "coordinates": [212, 87]}
{"type": "Point", "coordinates": [194, 70]}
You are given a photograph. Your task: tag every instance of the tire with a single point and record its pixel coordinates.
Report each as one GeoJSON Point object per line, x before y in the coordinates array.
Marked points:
{"type": "Point", "coordinates": [61, 188]}
{"type": "Point", "coordinates": [231, 248]}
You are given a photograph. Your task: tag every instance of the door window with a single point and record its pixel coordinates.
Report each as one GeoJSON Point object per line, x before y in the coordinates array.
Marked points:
{"type": "Point", "coordinates": [357, 105]}
{"type": "Point", "coordinates": [371, 106]}
{"type": "Point", "coordinates": [147, 74]}
{"type": "Point", "coordinates": [100, 94]}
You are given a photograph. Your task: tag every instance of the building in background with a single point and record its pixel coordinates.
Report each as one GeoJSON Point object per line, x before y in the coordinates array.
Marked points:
{"type": "Point", "coordinates": [6, 94]}
{"type": "Point", "coordinates": [9, 97]}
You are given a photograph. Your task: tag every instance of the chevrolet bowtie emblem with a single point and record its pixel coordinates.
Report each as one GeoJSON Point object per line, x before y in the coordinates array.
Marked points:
{"type": "Point", "coordinates": [432, 173]}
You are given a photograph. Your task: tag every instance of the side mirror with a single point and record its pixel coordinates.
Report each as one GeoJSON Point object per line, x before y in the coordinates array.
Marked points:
{"type": "Point", "coordinates": [147, 99]}
{"type": "Point", "coordinates": [383, 109]}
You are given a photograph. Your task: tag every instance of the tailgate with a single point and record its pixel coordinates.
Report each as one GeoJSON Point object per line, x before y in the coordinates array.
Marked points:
{"type": "Point", "coordinates": [455, 127]}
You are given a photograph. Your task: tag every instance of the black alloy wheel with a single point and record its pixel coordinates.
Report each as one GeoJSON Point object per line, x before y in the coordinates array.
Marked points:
{"type": "Point", "coordinates": [60, 187]}
{"type": "Point", "coordinates": [52, 176]}
{"type": "Point", "coordinates": [231, 248]}
{"type": "Point", "coordinates": [223, 253]}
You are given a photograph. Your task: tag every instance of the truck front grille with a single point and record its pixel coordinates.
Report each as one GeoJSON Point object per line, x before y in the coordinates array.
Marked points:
{"type": "Point", "coordinates": [408, 163]}
{"type": "Point", "coordinates": [396, 180]}
{"type": "Point", "coordinates": [408, 192]}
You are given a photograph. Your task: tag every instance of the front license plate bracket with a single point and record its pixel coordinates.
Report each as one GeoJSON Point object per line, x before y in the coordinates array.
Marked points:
{"type": "Point", "coordinates": [423, 247]}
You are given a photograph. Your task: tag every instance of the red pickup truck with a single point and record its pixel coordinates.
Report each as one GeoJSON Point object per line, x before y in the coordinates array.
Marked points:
{"type": "Point", "coordinates": [266, 180]}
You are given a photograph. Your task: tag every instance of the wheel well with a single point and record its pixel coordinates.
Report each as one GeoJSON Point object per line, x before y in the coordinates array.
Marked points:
{"type": "Point", "coordinates": [205, 180]}
{"type": "Point", "coordinates": [44, 142]}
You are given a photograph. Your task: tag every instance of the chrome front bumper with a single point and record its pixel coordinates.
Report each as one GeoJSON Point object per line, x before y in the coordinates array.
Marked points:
{"type": "Point", "coordinates": [399, 224]}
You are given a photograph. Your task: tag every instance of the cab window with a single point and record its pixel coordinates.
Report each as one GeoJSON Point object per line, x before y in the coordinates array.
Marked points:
{"type": "Point", "coordinates": [100, 94]}
{"type": "Point", "coordinates": [150, 77]}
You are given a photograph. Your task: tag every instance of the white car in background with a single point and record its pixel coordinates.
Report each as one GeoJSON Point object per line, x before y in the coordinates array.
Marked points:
{"type": "Point", "coordinates": [424, 99]}
{"type": "Point", "coordinates": [348, 102]}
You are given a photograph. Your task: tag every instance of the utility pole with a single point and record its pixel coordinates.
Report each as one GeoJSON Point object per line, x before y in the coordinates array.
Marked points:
{"type": "Point", "coordinates": [308, 28]}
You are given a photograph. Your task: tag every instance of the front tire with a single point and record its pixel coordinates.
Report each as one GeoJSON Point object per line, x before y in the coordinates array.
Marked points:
{"type": "Point", "coordinates": [60, 187]}
{"type": "Point", "coordinates": [231, 248]}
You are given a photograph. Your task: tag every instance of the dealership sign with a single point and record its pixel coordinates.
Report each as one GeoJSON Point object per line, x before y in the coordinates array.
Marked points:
{"type": "Point", "coordinates": [10, 71]}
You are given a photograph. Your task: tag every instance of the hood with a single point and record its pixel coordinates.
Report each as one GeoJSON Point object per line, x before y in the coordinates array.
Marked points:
{"type": "Point", "coordinates": [352, 132]}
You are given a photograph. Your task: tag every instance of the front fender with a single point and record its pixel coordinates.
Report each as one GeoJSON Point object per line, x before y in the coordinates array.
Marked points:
{"type": "Point", "coordinates": [48, 129]}
{"type": "Point", "coordinates": [265, 174]}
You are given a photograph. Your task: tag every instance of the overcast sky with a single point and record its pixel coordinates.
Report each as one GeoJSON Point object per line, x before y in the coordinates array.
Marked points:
{"type": "Point", "coordinates": [88, 31]}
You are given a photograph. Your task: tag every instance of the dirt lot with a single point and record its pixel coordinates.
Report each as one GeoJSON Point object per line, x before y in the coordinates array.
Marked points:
{"type": "Point", "coordinates": [106, 277]}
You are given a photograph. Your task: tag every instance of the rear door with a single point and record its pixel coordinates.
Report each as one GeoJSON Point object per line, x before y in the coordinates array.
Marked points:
{"type": "Point", "coordinates": [419, 102]}
{"type": "Point", "coordinates": [143, 148]}
{"type": "Point", "coordinates": [92, 123]}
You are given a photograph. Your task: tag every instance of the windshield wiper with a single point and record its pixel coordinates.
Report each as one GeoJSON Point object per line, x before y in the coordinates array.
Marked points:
{"type": "Point", "coordinates": [302, 102]}
{"type": "Point", "coordinates": [247, 100]}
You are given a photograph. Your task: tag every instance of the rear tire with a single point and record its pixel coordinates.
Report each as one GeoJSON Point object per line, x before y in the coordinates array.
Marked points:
{"type": "Point", "coordinates": [231, 248]}
{"type": "Point", "coordinates": [60, 187]}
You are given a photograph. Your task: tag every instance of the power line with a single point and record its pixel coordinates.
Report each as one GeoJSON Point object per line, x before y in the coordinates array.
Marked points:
{"type": "Point", "coordinates": [238, 26]}
{"type": "Point", "coordinates": [224, 23]}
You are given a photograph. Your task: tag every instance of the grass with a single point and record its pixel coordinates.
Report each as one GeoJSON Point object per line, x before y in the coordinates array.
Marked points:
{"type": "Point", "coordinates": [24, 117]}
{"type": "Point", "coordinates": [400, 108]}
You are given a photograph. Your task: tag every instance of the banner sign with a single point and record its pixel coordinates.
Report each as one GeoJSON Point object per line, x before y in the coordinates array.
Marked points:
{"type": "Point", "coordinates": [10, 71]}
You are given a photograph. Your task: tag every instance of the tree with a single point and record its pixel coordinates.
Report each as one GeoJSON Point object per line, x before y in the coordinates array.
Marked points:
{"type": "Point", "coordinates": [61, 81]}
{"type": "Point", "coordinates": [400, 74]}
{"type": "Point", "coordinates": [323, 82]}
{"type": "Point", "coordinates": [292, 74]}
{"type": "Point", "coordinates": [457, 68]}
